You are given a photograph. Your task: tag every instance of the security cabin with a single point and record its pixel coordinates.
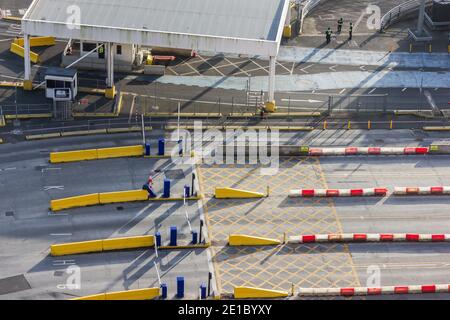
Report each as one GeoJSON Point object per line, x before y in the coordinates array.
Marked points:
{"type": "Point", "coordinates": [61, 84]}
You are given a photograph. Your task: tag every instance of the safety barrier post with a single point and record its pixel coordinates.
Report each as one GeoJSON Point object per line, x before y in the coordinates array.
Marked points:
{"type": "Point", "coordinates": [164, 291]}
{"type": "Point", "coordinates": [194, 237]}
{"type": "Point", "coordinates": [391, 125]}
{"type": "Point", "coordinates": [369, 125]}
{"type": "Point", "coordinates": [173, 236]}
{"type": "Point", "coordinates": [158, 239]}
{"type": "Point", "coordinates": [147, 149]}
{"type": "Point", "coordinates": [349, 125]}
{"type": "Point", "coordinates": [325, 125]}
{"type": "Point", "coordinates": [202, 291]}
{"type": "Point", "coordinates": [161, 147]}
{"type": "Point", "coordinates": [187, 191]}
{"type": "Point", "coordinates": [166, 188]}
{"type": "Point", "coordinates": [180, 287]}
{"type": "Point", "coordinates": [410, 47]}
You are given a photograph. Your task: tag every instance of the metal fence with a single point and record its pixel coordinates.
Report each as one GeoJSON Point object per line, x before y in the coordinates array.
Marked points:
{"type": "Point", "coordinates": [18, 109]}
{"type": "Point", "coordinates": [399, 12]}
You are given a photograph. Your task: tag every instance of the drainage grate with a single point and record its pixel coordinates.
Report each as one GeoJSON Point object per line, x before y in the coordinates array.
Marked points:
{"type": "Point", "coordinates": [9, 213]}
{"type": "Point", "coordinates": [175, 174]}
{"type": "Point", "coordinates": [14, 284]}
{"type": "Point", "coordinates": [119, 208]}
{"type": "Point", "coordinates": [58, 273]}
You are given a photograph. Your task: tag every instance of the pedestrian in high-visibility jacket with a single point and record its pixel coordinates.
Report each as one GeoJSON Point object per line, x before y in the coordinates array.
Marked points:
{"type": "Point", "coordinates": [340, 24]}
{"type": "Point", "coordinates": [328, 35]}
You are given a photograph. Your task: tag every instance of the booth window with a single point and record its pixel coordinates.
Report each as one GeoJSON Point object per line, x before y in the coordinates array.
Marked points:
{"type": "Point", "coordinates": [119, 49]}
{"type": "Point", "coordinates": [88, 47]}
{"type": "Point", "coordinates": [54, 84]}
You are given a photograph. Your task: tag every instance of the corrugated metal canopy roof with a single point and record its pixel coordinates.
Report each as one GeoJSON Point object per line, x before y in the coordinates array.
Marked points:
{"type": "Point", "coordinates": [256, 21]}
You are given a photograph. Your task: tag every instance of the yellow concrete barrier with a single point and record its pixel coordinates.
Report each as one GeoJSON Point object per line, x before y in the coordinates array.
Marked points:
{"type": "Point", "coordinates": [20, 51]}
{"type": "Point", "coordinates": [83, 132]}
{"type": "Point", "coordinates": [131, 151]}
{"type": "Point", "coordinates": [137, 294]}
{"type": "Point", "coordinates": [37, 41]}
{"type": "Point", "coordinates": [2, 121]}
{"type": "Point", "coordinates": [244, 240]}
{"type": "Point", "coordinates": [436, 128]}
{"type": "Point", "coordinates": [101, 296]}
{"type": "Point", "coordinates": [230, 193]}
{"type": "Point", "coordinates": [255, 293]}
{"type": "Point", "coordinates": [29, 116]}
{"type": "Point", "coordinates": [75, 202]}
{"type": "Point", "coordinates": [128, 243]}
{"type": "Point", "coordinates": [76, 248]}
{"type": "Point", "coordinates": [123, 196]}
{"type": "Point", "coordinates": [43, 136]}
{"type": "Point", "coordinates": [71, 156]}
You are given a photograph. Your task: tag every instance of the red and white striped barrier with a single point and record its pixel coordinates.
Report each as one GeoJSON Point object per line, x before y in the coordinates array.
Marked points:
{"type": "Point", "coordinates": [365, 192]}
{"type": "Point", "coordinates": [352, 151]}
{"type": "Point", "coordinates": [369, 237]}
{"type": "Point", "coordinates": [404, 191]}
{"type": "Point", "coordinates": [366, 291]}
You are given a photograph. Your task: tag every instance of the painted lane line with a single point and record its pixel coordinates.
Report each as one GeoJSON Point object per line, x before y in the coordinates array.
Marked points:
{"type": "Point", "coordinates": [307, 67]}
{"type": "Point", "coordinates": [342, 91]}
{"type": "Point", "coordinates": [404, 89]}
{"type": "Point", "coordinates": [372, 91]}
{"type": "Point", "coordinates": [236, 66]}
{"type": "Point", "coordinates": [53, 188]}
{"type": "Point", "coordinates": [60, 234]}
{"type": "Point", "coordinates": [332, 68]}
{"type": "Point", "coordinates": [299, 100]}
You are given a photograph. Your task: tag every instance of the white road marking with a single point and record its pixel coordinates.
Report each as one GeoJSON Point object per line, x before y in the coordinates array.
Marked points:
{"type": "Point", "coordinates": [332, 68]}
{"type": "Point", "coordinates": [60, 234]}
{"type": "Point", "coordinates": [53, 188]}
{"type": "Point", "coordinates": [304, 69]}
{"type": "Point", "coordinates": [372, 91]}
{"type": "Point", "coordinates": [236, 66]}
{"type": "Point", "coordinates": [299, 100]}
{"type": "Point", "coordinates": [342, 91]}
{"type": "Point", "coordinates": [404, 89]}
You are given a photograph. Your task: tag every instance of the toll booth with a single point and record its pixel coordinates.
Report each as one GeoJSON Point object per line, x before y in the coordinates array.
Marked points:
{"type": "Point", "coordinates": [61, 85]}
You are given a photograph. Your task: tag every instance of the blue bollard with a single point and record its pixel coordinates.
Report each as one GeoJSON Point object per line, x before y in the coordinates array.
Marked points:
{"type": "Point", "coordinates": [161, 147]}
{"type": "Point", "coordinates": [203, 291]}
{"type": "Point", "coordinates": [180, 287]}
{"type": "Point", "coordinates": [158, 239]}
{"type": "Point", "coordinates": [166, 188]}
{"type": "Point", "coordinates": [187, 191]}
{"type": "Point", "coordinates": [194, 237]}
{"type": "Point", "coordinates": [164, 291]}
{"type": "Point", "coordinates": [173, 236]}
{"type": "Point", "coordinates": [147, 149]}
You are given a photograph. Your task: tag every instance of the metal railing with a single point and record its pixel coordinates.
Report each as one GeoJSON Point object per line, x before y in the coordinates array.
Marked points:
{"type": "Point", "coordinates": [399, 12]}
{"type": "Point", "coordinates": [308, 6]}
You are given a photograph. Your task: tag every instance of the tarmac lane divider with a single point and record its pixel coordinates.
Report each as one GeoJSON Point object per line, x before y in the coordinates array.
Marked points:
{"type": "Point", "coordinates": [368, 291]}
{"type": "Point", "coordinates": [75, 202]}
{"type": "Point", "coordinates": [364, 192]}
{"type": "Point", "coordinates": [353, 151]}
{"type": "Point", "coordinates": [245, 240]}
{"type": "Point", "coordinates": [137, 294]}
{"type": "Point", "coordinates": [231, 193]}
{"type": "Point", "coordinates": [258, 293]}
{"type": "Point", "coordinates": [415, 191]}
{"type": "Point", "coordinates": [368, 237]}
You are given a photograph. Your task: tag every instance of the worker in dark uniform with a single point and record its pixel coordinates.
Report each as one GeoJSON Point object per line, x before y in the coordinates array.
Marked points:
{"type": "Point", "coordinates": [149, 187]}
{"type": "Point", "coordinates": [350, 32]}
{"type": "Point", "coordinates": [340, 24]}
{"type": "Point", "coordinates": [328, 35]}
